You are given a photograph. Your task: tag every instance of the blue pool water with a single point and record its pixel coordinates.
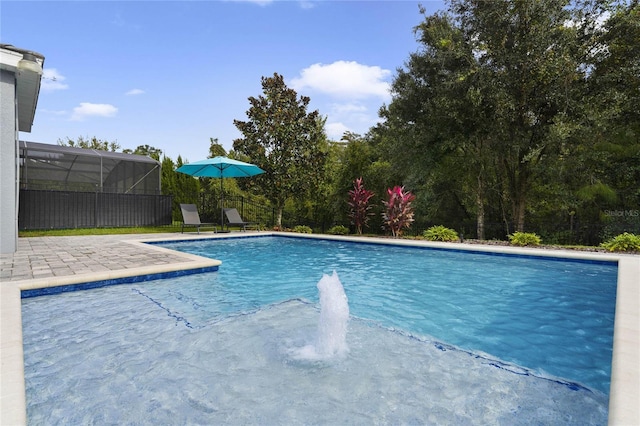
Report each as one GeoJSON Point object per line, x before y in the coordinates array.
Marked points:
{"type": "Point", "coordinates": [435, 337]}
{"type": "Point", "coordinates": [554, 316]}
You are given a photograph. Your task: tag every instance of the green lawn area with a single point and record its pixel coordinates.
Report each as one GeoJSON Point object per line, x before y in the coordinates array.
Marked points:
{"type": "Point", "coordinates": [176, 227]}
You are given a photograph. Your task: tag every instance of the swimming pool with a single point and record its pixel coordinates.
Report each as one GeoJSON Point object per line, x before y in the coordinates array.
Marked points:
{"type": "Point", "coordinates": [240, 313]}
{"type": "Point", "coordinates": [550, 315]}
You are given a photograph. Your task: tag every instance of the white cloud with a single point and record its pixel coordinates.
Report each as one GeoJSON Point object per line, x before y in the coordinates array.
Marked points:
{"type": "Point", "coordinates": [353, 116]}
{"type": "Point", "coordinates": [87, 109]}
{"type": "Point", "coordinates": [344, 79]}
{"type": "Point", "coordinates": [350, 108]}
{"type": "Point", "coordinates": [134, 92]}
{"type": "Point", "coordinates": [52, 80]}
{"type": "Point", "coordinates": [335, 130]}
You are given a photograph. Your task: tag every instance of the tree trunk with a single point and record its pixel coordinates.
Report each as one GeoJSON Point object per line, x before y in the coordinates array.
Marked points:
{"type": "Point", "coordinates": [520, 213]}
{"type": "Point", "coordinates": [517, 181]}
{"type": "Point", "coordinates": [519, 202]}
{"type": "Point", "coordinates": [480, 208]}
{"type": "Point", "coordinates": [279, 216]}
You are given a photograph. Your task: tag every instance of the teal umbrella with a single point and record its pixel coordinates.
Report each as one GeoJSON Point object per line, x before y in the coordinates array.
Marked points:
{"type": "Point", "coordinates": [220, 167]}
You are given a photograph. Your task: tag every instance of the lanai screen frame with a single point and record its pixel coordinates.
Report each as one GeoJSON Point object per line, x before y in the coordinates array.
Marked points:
{"type": "Point", "coordinates": [64, 168]}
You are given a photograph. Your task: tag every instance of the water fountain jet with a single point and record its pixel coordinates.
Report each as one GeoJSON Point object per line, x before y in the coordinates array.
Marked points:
{"type": "Point", "coordinates": [332, 326]}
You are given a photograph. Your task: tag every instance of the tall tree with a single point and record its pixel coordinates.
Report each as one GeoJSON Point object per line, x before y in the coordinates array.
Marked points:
{"type": "Point", "coordinates": [491, 90]}
{"type": "Point", "coordinates": [528, 56]}
{"type": "Point", "coordinates": [187, 187]}
{"type": "Point", "coordinates": [284, 140]}
{"type": "Point", "coordinates": [605, 158]}
{"type": "Point", "coordinates": [438, 118]}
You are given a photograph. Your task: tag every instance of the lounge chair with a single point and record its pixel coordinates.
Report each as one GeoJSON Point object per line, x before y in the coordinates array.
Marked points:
{"type": "Point", "coordinates": [190, 217]}
{"type": "Point", "coordinates": [234, 219]}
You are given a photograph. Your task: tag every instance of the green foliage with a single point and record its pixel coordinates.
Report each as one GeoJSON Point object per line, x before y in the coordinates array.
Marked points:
{"type": "Point", "coordinates": [285, 141]}
{"type": "Point", "coordinates": [90, 143]}
{"type": "Point", "coordinates": [524, 239]}
{"type": "Point", "coordinates": [623, 242]}
{"type": "Point", "coordinates": [145, 150]}
{"type": "Point", "coordinates": [501, 110]}
{"type": "Point", "coordinates": [398, 213]}
{"type": "Point", "coordinates": [338, 230]}
{"type": "Point", "coordinates": [440, 233]}
{"type": "Point", "coordinates": [359, 198]}
{"type": "Point", "coordinates": [216, 149]}
{"type": "Point", "coordinates": [302, 229]}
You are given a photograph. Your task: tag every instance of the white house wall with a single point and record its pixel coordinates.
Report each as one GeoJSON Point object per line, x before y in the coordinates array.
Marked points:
{"type": "Point", "coordinates": [8, 164]}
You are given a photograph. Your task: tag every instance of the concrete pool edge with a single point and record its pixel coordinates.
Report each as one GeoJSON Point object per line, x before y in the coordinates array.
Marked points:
{"type": "Point", "coordinates": [625, 379]}
{"type": "Point", "coordinates": [624, 392]}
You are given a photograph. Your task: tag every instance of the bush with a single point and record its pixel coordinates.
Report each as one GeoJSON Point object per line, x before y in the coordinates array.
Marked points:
{"type": "Point", "coordinates": [302, 229]}
{"type": "Point", "coordinates": [359, 202]}
{"type": "Point", "coordinates": [398, 213]}
{"type": "Point", "coordinates": [524, 239]}
{"type": "Point", "coordinates": [338, 230]}
{"type": "Point", "coordinates": [623, 242]}
{"type": "Point", "coordinates": [440, 233]}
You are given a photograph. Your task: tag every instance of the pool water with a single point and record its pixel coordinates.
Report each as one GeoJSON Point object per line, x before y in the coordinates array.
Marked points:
{"type": "Point", "coordinates": [553, 316]}
{"type": "Point", "coordinates": [435, 337]}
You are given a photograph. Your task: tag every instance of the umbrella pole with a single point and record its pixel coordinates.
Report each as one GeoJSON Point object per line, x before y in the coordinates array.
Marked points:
{"type": "Point", "coordinates": [221, 205]}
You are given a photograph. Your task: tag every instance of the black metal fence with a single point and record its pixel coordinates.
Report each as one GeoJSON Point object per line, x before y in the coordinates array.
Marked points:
{"type": "Point", "coordinates": [250, 210]}
{"type": "Point", "coordinates": [67, 210]}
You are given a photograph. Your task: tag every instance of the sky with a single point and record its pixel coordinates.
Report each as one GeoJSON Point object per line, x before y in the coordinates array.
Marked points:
{"type": "Point", "coordinates": [173, 74]}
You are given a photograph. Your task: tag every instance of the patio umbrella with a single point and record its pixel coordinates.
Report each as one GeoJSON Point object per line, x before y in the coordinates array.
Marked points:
{"type": "Point", "coordinates": [220, 167]}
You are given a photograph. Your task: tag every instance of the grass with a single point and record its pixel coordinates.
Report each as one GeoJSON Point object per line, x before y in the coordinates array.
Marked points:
{"type": "Point", "coordinates": [176, 227]}
{"type": "Point", "coordinates": [100, 231]}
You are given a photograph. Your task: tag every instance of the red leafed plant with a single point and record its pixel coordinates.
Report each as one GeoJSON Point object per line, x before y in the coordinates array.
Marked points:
{"type": "Point", "coordinates": [399, 213]}
{"type": "Point", "coordinates": [359, 202]}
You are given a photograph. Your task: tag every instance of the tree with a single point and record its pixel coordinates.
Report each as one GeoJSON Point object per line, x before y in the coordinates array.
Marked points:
{"type": "Point", "coordinates": [168, 181]}
{"type": "Point", "coordinates": [284, 140]}
{"type": "Point", "coordinates": [529, 58]}
{"type": "Point", "coordinates": [90, 143]}
{"type": "Point", "coordinates": [492, 90]}
{"type": "Point", "coordinates": [187, 187]}
{"type": "Point", "coordinates": [438, 118]}
{"type": "Point", "coordinates": [146, 150]}
{"type": "Point", "coordinates": [604, 158]}
{"type": "Point", "coordinates": [216, 149]}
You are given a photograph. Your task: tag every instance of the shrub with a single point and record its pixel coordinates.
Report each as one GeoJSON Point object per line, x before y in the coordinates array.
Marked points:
{"type": "Point", "coordinates": [359, 202]}
{"type": "Point", "coordinates": [440, 233]}
{"type": "Point", "coordinates": [623, 242]}
{"type": "Point", "coordinates": [524, 239]}
{"type": "Point", "coordinates": [399, 212]}
{"type": "Point", "coordinates": [302, 229]}
{"type": "Point", "coordinates": [338, 230]}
